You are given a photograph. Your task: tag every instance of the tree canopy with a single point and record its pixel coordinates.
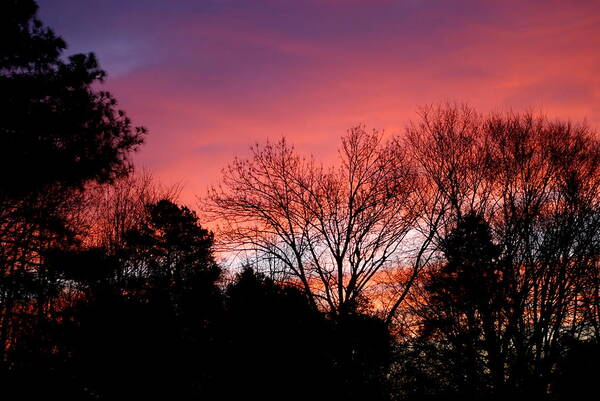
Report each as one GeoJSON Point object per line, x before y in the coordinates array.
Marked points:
{"type": "Point", "coordinates": [57, 127]}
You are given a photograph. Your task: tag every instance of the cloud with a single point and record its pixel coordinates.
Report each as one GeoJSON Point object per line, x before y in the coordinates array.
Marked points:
{"type": "Point", "coordinates": [209, 78]}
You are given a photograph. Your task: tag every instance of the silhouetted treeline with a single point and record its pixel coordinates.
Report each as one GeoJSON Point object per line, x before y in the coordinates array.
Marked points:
{"type": "Point", "coordinates": [459, 260]}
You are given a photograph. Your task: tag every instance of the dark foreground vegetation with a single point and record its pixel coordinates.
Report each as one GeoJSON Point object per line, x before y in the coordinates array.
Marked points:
{"type": "Point", "coordinates": [457, 261]}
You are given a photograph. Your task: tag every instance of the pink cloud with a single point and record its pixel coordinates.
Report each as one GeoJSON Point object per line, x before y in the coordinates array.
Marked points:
{"type": "Point", "coordinates": [211, 80]}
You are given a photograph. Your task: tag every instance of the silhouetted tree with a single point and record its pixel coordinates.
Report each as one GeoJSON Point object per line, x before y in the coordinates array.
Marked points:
{"type": "Point", "coordinates": [536, 183]}
{"type": "Point", "coordinates": [146, 321]}
{"type": "Point", "coordinates": [113, 209]}
{"type": "Point", "coordinates": [58, 134]}
{"type": "Point", "coordinates": [277, 342]}
{"type": "Point", "coordinates": [331, 230]}
{"type": "Point", "coordinates": [465, 307]}
{"type": "Point", "coordinates": [281, 346]}
{"type": "Point", "coordinates": [52, 118]}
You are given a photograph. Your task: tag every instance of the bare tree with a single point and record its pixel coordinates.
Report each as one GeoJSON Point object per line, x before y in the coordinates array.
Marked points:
{"type": "Point", "coordinates": [547, 188]}
{"type": "Point", "coordinates": [115, 208]}
{"type": "Point", "coordinates": [332, 229]}
{"type": "Point", "coordinates": [536, 182]}
{"type": "Point", "coordinates": [448, 155]}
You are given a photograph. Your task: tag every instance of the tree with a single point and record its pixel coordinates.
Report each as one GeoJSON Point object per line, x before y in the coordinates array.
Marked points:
{"type": "Point", "coordinates": [536, 182]}
{"type": "Point", "coordinates": [59, 133]}
{"type": "Point", "coordinates": [277, 342]}
{"type": "Point", "coordinates": [147, 320]}
{"type": "Point", "coordinates": [282, 346]}
{"type": "Point", "coordinates": [466, 306]}
{"type": "Point", "coordinates": [171, 250]}
{"type": "Point", "coordinates": [68, 132]}
{"type": "Point", "coordinates": [113, 209]}
{"type": "Point", "coordinates": [330, 230]}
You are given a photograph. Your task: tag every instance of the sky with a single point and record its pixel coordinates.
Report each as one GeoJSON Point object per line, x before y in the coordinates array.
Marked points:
{"type": "Point", "coordinates": [209, 78]}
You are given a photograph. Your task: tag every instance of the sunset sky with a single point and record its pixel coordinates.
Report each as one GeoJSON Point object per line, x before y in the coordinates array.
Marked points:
{"type": "Point", "coordinates": [208, 78]}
